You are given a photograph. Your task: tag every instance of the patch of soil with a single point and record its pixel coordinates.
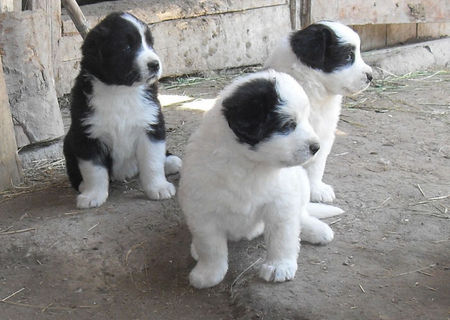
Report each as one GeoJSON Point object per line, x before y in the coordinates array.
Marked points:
{"type": "Point", "coordinates": [130, 258]}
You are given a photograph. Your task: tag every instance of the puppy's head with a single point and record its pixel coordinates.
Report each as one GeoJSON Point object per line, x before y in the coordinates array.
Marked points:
{"type": "Point", "coordinates": [119, 51]}
{"type": "Point", "coordinates": [268, 114]}
{"type": "Point", "coordinates": [334, 50]}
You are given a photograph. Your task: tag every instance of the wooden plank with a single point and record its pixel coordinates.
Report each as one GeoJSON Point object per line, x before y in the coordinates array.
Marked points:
{"type": "Point", "coordinates": [10, 169]}
{"type": "Point", "coordinates": [358, 12]}
{"type": "Point", "coordinates": [400, 33]}
{"type": "Point", "coordinates": [52, 8]}
{"type": "Point", "coordinates": [157, 11]}
{"type": "Point", "coordinates": [373, 36]}
{"type": "Point", "coordinates": [77, 17]}
{"type": "Point", "coordinates": [203, 43]}
{"type": "Point", "coordinates": [295, 7]}
{"type": "Point", "coordinates": [6, 5]}
{"type": "Point", "coordinates": [433, 30]}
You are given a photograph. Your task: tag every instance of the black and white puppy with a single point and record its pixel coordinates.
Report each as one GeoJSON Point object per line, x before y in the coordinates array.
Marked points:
{"type": "Point", "coordinates": [117, 128]}
{"type": "Point", "coordinates": [325, 59]}
{"type": "Point", "coordinates": [242, 176]}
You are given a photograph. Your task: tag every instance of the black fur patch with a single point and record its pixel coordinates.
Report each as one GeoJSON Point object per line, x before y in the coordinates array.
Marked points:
{"type": "Point", "coordinates": [318, 47]}
{"type": "Point", "coordinates": [251, 112]}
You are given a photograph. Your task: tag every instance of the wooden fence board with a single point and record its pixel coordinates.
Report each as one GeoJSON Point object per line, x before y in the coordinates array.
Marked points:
{"type": "Point", "coordinates": [378, 11]}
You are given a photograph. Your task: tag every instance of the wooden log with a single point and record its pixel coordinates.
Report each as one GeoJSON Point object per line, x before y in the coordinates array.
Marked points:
{"type": "Point", "coordinates": [10, 169]}
{"type": "Point", "coordinates": [6, 5]}
{"type": "Point", "coordinates": [77, 17]}
{"type": "Point", "coordinates": [27, 65]}
{"type": "Point", "coordinates": [52, 8]}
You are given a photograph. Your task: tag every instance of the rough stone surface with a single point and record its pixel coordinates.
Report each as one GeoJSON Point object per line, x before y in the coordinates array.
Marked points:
{"type": "Point", "coordinates": [24, 41]}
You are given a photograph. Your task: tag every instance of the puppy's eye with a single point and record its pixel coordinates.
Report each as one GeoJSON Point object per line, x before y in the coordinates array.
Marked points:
{"type": "Point", "coordinates": [127, 48]}
{"type": "Point", "coordinates": [350, 57]}
{"type": "Point", "coordinates": [288, 127]}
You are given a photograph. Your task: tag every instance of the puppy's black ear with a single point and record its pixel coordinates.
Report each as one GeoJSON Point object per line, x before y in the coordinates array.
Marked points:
{"type": "Point", "coordinates": [251, 110]}
{"type": "Point", "coordinates": [310, 45]}
{"type": "Point", "coordinates": [92, 49]}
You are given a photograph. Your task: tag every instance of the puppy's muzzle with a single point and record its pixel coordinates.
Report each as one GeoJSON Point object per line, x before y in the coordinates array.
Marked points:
{"type": "Point", "coordinates": [153, 67]}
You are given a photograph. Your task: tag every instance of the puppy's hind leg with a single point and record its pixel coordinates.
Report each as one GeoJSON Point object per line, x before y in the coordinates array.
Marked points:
{"type": "Point", "coordinates": [172, 164]}
{"type": "Point", "coordinates": [211, 251]}
{"type": "Point", "coordinates": [95, 184]}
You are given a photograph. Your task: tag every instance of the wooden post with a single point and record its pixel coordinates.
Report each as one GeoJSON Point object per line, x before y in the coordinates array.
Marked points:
{"type": "Point", "coordinates": [6, 5]}
{"type": "Point", "coordinates": [77, 17]}
{"type": "Point", "coordinates": [295, 8]}
{"type": "Point", "coordinates": [305, 13]}
{"type": "Point", "coordinates": [53, 10]}
{"type": "Point", "coordinates": [10, 168]}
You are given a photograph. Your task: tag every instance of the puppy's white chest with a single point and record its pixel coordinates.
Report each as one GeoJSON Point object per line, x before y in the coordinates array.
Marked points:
{"type": "Point", "coordinates": [121, 114]}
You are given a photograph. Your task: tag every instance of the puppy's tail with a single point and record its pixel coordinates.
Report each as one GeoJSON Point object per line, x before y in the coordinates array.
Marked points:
{"type": "Point", "coordinates": [320, 210]}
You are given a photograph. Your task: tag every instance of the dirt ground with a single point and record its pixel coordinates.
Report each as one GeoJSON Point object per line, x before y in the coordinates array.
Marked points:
{"type": "Point", "coordinates": [129, 259]}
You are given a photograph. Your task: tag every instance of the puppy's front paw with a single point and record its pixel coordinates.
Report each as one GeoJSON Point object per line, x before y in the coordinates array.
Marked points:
{"type": "Point", "coordinates": [205, 276]}
{"type": "Point", "coordinates": [160, 190]}
{"type": "Point", "coordinates": [278, 271]}
{"type": "Point", "coordinates": [172, 165]}
{"type": "Point", "coordinates": [91, 199]}
{"type": "Point", "coordinates": [320, 234]}
{"type": "Point", "coordinates": [322, 192]}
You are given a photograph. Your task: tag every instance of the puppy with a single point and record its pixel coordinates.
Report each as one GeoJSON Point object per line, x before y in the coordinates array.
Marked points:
{"type": "Point", "coordinates": [242, 176]}
{"type": "Point", "coordinates": [325, 59]}
{"type": "Point", "coordinates": [117, 127]}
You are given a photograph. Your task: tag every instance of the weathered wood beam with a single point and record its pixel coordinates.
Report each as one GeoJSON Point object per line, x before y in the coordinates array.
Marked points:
{"type": "Point", "coordinates": [6, 5]}
{"type": "Point", "coordinates": [77, 17]}
{"type": "Point", "coordinates": [10, 168]}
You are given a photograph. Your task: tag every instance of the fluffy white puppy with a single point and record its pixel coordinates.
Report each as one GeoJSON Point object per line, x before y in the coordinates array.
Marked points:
{"type": "Point", "coordinates": [325, 59]}
{"type": "Point", "coordinates": [242, 176]}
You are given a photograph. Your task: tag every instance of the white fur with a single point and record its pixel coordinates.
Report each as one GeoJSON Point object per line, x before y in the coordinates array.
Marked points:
{"type": "Point", "coordinates": [94, 188]}
{"type": "Point", "coordinates": [325, 91]}
{"type": "Point", "coordinates": [228, 191]}
{"type": "Point", "coordinates": [120, 119]}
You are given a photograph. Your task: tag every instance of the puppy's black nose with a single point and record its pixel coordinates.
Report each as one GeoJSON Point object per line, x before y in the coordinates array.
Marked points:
{"type": "Point", "coordinates": [153, 66]}
{"type": "Point", "coordinates": [369, 77]}
{"type": "Point", "coordinates": [314, 147]}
